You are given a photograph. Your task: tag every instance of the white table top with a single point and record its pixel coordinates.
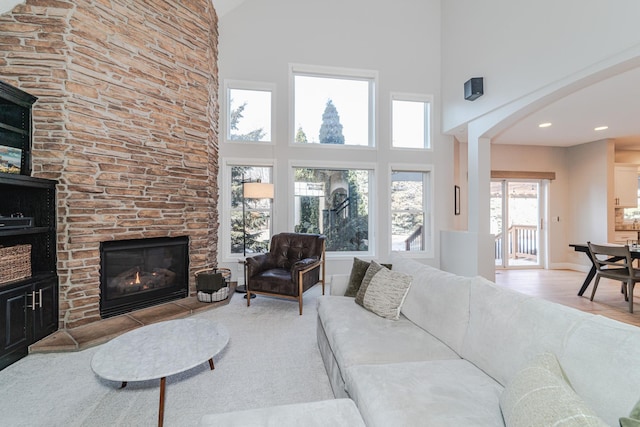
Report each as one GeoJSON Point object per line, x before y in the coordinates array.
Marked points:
{"type": "Point", "coordinates": [160, 349]}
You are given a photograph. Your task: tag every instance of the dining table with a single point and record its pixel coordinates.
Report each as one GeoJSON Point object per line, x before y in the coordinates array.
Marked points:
{"type": "Point", "coordinates": [583, 247]}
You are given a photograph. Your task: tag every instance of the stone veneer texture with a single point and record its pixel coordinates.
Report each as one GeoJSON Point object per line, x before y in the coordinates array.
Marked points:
{"type": "Point", "coordinates": [126, 122]}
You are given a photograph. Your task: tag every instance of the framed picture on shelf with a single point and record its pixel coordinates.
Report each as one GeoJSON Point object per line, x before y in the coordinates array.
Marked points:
{"type": "Point", "coordinates": [10, 159]}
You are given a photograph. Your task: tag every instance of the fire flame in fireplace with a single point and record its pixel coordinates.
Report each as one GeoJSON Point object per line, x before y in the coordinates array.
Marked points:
{"type": "Point", "coordinates": [137, 282]}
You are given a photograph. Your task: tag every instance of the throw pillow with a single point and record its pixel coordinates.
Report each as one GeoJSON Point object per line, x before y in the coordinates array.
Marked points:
{"type": "Point", "coordinates": [358, 270]}
{"type": "Point", "coordinates": [633, 420]}
{"type": "Point", "coordinates": [373, 268]}
{"type": "Point", "coordinates": [540, 395]}
{"type": "Point", "coordinates": [386, 293]}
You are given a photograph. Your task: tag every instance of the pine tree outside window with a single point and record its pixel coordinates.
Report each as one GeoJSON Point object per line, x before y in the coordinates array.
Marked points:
{"type": "Point", "coordinates": [333, 106]}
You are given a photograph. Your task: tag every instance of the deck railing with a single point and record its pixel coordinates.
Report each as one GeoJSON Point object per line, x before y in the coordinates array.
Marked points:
{"type": "Point", "coordinates": [414, 241]}
{"type": "Point", "coordinates": [523, 242]}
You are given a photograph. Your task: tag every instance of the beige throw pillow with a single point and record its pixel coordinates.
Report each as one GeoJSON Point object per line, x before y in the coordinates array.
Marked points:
{"type": "Point", "coordinates": [373, 268]}
{"type": "Point", "coordinates": [386, 293]}
{"type": "Point", "coordinates": [539, 395]}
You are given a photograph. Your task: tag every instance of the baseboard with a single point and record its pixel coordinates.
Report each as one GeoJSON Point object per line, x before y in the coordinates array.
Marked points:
{"type": "Point", "coordinates": [569, 266]}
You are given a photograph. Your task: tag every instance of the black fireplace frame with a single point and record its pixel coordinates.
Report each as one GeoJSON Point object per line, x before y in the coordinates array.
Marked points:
{"type": "Point", "coordinates": [121, 305]}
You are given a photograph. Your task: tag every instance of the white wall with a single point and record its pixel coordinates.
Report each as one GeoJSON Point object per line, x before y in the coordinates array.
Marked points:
{"type": "Point", "coordinates": [522, 46]}
{"type": "Point", "coordinates": [259, 39]}
{"type": "Point", "coordinates": [590, 174]}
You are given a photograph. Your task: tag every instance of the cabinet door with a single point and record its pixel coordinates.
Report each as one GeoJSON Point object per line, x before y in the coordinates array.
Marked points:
{"type": "Point", "coordinates": [45, 319]}
{"type": "Point", "coordinates": [626, 186]}
{"type": "Point", "coordinates": [15, 335]}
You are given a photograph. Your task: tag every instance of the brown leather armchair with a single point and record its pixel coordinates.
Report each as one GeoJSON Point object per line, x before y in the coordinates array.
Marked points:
{"type": "Point", "coordinates": [294, 263]}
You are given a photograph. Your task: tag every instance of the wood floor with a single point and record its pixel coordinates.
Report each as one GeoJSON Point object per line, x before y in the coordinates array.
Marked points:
{"type": "Point", "coordinates": [562, 286]}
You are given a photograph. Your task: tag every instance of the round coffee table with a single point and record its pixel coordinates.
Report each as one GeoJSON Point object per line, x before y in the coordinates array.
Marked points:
{"type": "Point", "coordinates": [159, 350]}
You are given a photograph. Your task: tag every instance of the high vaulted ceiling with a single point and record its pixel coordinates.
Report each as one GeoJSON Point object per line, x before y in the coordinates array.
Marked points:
{"type": "Point", "coordinates": [613, 102]}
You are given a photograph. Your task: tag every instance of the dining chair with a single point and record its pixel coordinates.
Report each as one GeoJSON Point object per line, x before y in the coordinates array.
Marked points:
{"type": "Point", "coordinates": [614, 262]}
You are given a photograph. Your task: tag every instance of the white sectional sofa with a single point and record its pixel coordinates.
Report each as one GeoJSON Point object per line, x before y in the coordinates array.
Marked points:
{"type": "Point", "coordinates": [460, 341]}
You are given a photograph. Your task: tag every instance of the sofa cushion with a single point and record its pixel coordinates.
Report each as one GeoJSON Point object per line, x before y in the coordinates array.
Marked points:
{"type": "Point", "coordinates": [358, 270]}
{"type": "Point", "coordinates": [437, 393]}
{"type": "Point", "coordinates": [507, 329]}
{"type": "Point", "coordinates": [437, 301]}
{"type": "Point", "coordinates": [357, 336]}
{"type": "Point", "coordinates": [539, 395]}
{"type": "Point", "coordinates": [601, 355]}
{"type": "Point", "coordinates": [386, 293]}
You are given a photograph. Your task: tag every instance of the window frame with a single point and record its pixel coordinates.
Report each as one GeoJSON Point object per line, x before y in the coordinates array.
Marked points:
{"type": "Point", "coordinates": [372, 168]}
{"type": "Point", "coordinates": [413, 97]}
{"type": "Point", "coordinates": [371, 76]}
{"type": "Point", "coordinates": [249, 86]}
{"type": "Point", "coordinates": [225, 197]}
{"type": "Point", "coordinates": [427, 206]}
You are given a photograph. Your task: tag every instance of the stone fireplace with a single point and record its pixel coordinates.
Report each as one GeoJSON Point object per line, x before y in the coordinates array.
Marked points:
{"type": "Point", "coordinates": [140, 273]}
{"type": "Point", "coordinates": [126, 123]}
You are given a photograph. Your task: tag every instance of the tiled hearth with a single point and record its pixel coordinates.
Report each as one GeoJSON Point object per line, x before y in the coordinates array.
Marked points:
{"type": "Point", "coordinates": [102, 331]}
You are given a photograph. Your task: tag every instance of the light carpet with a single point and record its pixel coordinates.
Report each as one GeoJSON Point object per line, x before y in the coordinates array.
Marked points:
{"type": "Point", "coordinates": [272, 359]}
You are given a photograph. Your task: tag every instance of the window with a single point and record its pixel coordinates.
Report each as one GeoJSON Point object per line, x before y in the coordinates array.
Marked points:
{"type": "Point", "coordinates": [410, 230]}
{"type": "Point", "coordinates": [333, 106]}
{"type": "Point", "coordinates": [249, 112]}
{"type": "Point", "coordinates": [250, 219]}
{"type": "Point", "coordinates": [333, 202]}
{"type": "Point", "coordinates": [410, 121]}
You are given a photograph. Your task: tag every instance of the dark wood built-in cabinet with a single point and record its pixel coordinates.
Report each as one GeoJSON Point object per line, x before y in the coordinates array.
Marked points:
{"type": "Point", "coordinates": [28, 305]}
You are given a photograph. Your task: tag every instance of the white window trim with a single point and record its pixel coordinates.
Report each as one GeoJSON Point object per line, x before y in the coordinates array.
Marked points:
{"type": "Point", "coordinates": [338, 73]}
{"type": "Point", "coordinates": [427, 207]}
{"type": "Point", "coordinates": [224, 113]}
{"type": "Point", "coordinates": [372, 167]}
{"type": "Point", "coordinates": [415, 97]}
{"type": "Point", "coordinates": [224, 176]}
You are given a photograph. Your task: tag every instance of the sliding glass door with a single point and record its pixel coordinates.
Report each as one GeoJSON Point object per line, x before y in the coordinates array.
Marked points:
{"type": "Point", "coordinates": [516, 222]}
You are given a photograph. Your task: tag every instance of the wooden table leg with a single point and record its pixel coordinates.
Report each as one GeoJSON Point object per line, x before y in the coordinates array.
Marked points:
{"type": "Point", "coordinates": [211, 364]}
{"type": "Point", "coordinates": [163, 383]}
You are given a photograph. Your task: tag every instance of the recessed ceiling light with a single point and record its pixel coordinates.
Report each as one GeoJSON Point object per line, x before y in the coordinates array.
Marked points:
{"type": "Point", "coordinates": [601, 128]}
{"type": "Point", "coordinates": [544, 125]}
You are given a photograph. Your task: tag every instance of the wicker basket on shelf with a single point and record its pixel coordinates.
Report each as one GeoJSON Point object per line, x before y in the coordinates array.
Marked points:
{"type": "Point", "coordinates": [212, 284]}
{"type": "Point", "coordinates": [15, 263]}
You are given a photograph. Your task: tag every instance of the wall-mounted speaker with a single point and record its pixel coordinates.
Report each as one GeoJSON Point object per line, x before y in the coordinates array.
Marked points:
{"type": "Point", "coordinates": [473, 88]}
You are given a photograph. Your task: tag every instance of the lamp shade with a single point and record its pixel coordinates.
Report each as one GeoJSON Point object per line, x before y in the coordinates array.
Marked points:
{"type": "Point", "coordinates": [257, 190]}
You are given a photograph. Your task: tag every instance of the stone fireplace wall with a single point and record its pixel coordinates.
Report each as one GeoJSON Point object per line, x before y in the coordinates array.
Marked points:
{"type": "Point", "coordinates": [126, 122]}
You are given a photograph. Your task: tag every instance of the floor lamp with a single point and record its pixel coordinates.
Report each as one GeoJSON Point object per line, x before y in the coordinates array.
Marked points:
{"type": "Point", "coordinates": [251, 190]}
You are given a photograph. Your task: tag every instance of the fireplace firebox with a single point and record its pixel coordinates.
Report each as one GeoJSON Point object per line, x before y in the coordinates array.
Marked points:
{"type": "Point", "coordinates": [140, 273]}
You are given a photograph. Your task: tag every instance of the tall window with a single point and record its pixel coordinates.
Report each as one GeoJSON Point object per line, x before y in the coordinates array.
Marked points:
{"type": "Point", "coordinates": [333, 106]}
{"type": "Point", "coordinates": [410, 229]}
{"type": "Point", "coordinates": [249, 112]}
{"type": "Point", "coordinates": [411, 121]}
{"type": "Point", "coordinates": [250, 218]}
{"type": "Point", "coordinates": [334, 202]}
